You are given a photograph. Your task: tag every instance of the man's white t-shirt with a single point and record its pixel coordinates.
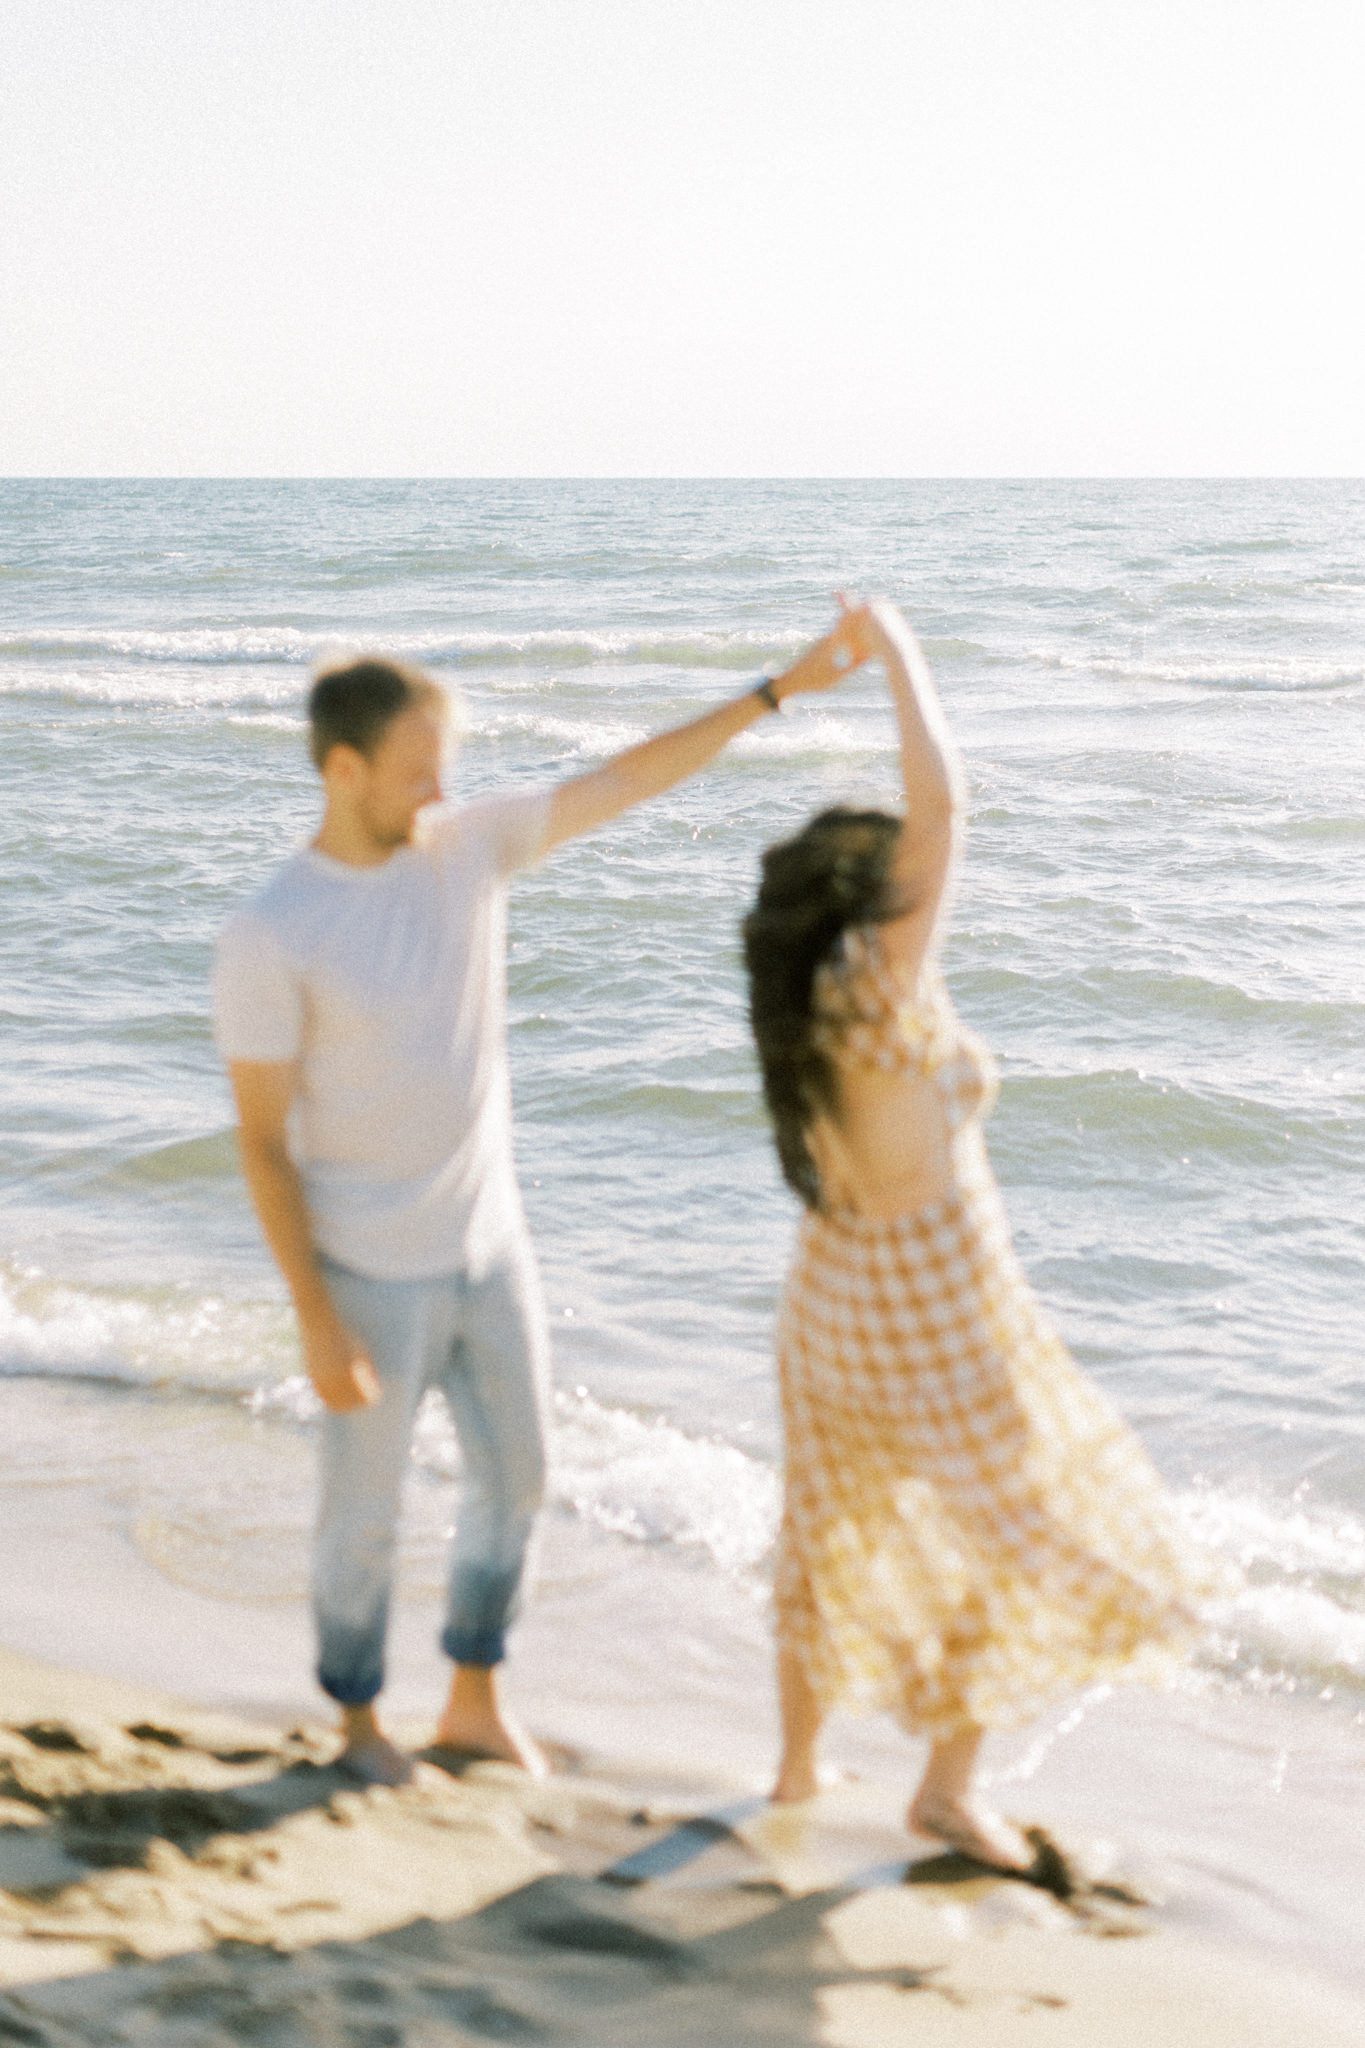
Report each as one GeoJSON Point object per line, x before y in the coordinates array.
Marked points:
{"type": "Point", "coordinates": [388, 986]}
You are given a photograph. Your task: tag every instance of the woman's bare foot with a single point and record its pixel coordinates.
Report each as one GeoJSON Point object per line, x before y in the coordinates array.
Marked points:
{"type": "Point", "coordinates": [943, 1808]}
{"type": "Point", "coordinates": [367, 1753]}
{"type": "Point", "coordinates": [796, 1780]}
{"type": "Point", "coordinates": [983, 1836]}
{"type": "Point", "coordinates": [474, 1724]}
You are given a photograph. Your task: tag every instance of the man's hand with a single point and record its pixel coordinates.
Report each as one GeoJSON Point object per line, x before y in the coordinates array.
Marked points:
{"type": "Point", "coordinates": [339, 1366]}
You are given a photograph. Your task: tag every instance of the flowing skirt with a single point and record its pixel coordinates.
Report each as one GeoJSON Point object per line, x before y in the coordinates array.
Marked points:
{"type": "Point", "coordinates": [968, 1525]}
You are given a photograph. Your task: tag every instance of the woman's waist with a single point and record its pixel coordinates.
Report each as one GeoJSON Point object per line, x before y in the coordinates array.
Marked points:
{"type": "Point", "coordinates": [891, 1211]}
{"type": "Point", "coordinates": [885, 1178]}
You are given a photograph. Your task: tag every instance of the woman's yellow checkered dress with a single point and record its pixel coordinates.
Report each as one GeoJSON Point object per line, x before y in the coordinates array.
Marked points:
{"type": "Point", "coordinates": [968, 1526]}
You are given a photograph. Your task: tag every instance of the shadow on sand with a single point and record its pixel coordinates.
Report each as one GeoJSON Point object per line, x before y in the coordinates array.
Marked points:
{"type": "Point", "coordinates": [563, 1960]}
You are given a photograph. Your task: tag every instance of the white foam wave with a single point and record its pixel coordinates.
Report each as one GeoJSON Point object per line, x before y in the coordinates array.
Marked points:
{"type": "Point", "coordinates": [570, 736]}
{"type": "Point", "coordinates": [76, 1337]}
{"type": "Point", "coordinates": [641, 1479]}
{"type": "Point", "coordinates": [293, 646]}
{"type": "Point", "coordinates": [805, 734]}
{"type": "Point", "coordinates": [638, 1478]}
{"type": "Point", "coordinates": [652, 1483]}
{"type": "Point", "coordinates": [154, 688]}
{"type": "Point", "coordinates": [1299, 1619]}
{"type": "Point", "coordinates": [179, 644]}
{"type": "Point", "coordinates": [1265, 672]}
{"type": "Point", "coordinates": [1292, 1635]}
{"type": "Point", "coordinates": [809, 734]}
{"type": "Point", "coordinates": [1300, 1541]}
{"type": "Point", "coordinates": [293, 1398]}
{"type": "Point", "coordinates": [202, 1345]}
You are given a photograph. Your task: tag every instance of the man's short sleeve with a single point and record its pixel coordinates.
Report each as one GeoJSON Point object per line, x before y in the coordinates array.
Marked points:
{"type": "Point", "coordinates": [513, 828]}
{"type": "Point", "coordinates": [257, 994]}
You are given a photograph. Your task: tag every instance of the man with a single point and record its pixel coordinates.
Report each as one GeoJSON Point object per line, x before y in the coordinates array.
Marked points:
{"type": "Point", "coordinates": [360, 1006]}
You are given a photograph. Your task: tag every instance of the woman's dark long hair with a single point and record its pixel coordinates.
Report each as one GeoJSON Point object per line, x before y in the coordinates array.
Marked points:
{"type": "Point", "coordinates": [834, 874]}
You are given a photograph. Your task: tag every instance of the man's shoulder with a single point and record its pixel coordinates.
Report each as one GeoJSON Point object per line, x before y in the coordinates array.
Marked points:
{"type": "Point", "coordinates": [275, 906]}
{"type": "Point", "coordinates": [503, 831]}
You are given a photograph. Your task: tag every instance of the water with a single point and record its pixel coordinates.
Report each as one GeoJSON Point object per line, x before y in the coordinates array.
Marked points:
{"type": "Point", "coordinates": [1160, 690]}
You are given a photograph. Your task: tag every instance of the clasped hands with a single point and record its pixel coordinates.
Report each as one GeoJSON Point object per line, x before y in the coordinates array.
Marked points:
{"type": "Point", "coordinates": [875, 631]}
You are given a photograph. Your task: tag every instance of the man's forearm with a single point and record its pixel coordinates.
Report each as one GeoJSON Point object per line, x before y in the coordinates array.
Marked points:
{"type": "Point", "coordinates": [670, 757]}
{"type": "Point", "coordinates": [649, 769]}
{"type": "Point", "coordinates": [277, 1194]}
{"type": "Point", "coordinates": [657, 764]}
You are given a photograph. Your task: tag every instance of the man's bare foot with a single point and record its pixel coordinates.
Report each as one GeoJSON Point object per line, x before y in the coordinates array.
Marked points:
{"type": "Point", "coordinates": [474, 1724]}
{"type": "Point", "coordinates": [983, 1836]}
{"type": "Point", "coordinates": [367, 1753]}
{"type": "Point", "coordinates": [495, 1740]}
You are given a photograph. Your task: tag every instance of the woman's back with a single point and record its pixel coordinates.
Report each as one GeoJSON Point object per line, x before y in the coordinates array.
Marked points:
{"type": "Point", "coordinates": [913, 1084]}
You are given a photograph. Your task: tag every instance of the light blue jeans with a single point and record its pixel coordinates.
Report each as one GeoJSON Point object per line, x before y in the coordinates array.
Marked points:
{"type": "Point", "coordinates": [485, 1344]}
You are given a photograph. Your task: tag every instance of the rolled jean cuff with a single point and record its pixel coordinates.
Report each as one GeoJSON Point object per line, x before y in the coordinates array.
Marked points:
{"type": "Point", "coordinates": [474, 1646]}
{"type": "Point", "coordinates": [350, 1672]}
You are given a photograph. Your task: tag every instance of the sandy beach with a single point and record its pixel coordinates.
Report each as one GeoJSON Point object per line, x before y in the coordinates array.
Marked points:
{"type": "Point", "coordinates": [169, 1875]}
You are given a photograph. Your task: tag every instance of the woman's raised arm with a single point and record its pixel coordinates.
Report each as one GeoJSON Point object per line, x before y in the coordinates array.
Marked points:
{"type": "Point", "coordinates": [934, 792]}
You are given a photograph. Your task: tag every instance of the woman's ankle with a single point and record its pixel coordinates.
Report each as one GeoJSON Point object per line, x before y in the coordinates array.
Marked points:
{"type": "Point", "coordinates": [797, 1778]}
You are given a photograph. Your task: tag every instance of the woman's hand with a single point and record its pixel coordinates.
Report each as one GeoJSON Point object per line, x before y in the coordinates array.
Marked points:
{"type": "Point", "coordinates": [881, 632]}
{"type": "Point", "coordinates": [825, 663]}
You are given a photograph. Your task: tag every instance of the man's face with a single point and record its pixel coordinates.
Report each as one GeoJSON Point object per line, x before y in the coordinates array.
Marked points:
{"type": "Point", "coordinates": [402, 774]}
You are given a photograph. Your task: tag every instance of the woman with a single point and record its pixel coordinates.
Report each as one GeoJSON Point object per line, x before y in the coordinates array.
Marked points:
{"type": "Point", "coordinates": [967, 1527]}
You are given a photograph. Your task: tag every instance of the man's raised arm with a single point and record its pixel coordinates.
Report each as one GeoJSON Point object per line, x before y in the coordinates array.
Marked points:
{"type": "Point", "coordinates": [670, 757]}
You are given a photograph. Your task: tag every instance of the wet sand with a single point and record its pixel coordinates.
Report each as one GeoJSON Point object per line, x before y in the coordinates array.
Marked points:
{"type": "Point", "coordinates": [169, 1876]}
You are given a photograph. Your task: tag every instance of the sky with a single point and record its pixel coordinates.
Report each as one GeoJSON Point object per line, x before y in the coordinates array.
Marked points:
{"type": "Point", "coordinates": [644, 238]}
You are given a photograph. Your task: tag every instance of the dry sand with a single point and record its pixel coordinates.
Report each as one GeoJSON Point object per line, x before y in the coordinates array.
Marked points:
{"type": "Point", "coordinates": [172, 1877]}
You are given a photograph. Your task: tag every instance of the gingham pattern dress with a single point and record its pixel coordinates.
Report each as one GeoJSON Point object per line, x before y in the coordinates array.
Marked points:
{"type": "Point", "coordinates": [968, 1526]}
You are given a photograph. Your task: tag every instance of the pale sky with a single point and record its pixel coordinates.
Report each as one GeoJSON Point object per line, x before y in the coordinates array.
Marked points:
{"type": "Point", "coordinates": [640, 237]}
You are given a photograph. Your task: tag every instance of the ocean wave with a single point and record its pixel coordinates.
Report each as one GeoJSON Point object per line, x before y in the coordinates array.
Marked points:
{"type": "Point", "coordinates": [144, 689]}
{"type": "Point", "coordinates": [1297, 1542]}
{"type": "Point", "coordinates": [212, 1157]}
{"type": "Point", "coordinates": [1299, 1621]}
{"type": "Point", "coordinates": [1282, 1638]}
{"type": "Point", "coordinates": [649, 1482]}
{"type": "Point", "coordinates": [182, 644]}
{"type": "Point", "coordinates": [638, 1478]}
{"type": "Point", "coordinates": [808, 734]}
{"type": "Point", "coordinates": [572, 738]}
{"type": "Point", "coordinates": [645, 1480]}
{"type": "Point", "coordinates": [248, 646]}
{"type": "Point", "coordinates": [1170, 995]}
{"type": "Point", "coordinates": [1135, 1115]}
{"type": "Point", "coordinates": [197, 1344]}
{"type": "Point", "coordinates": [811, 734]}
{"type": "Point", "coordinates": [641, 1479]}
{"type": "Point", "coordinates": [1286, 673]}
